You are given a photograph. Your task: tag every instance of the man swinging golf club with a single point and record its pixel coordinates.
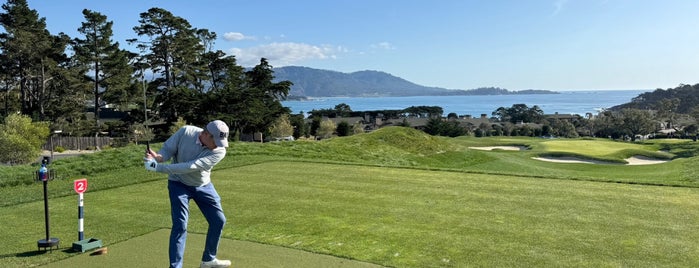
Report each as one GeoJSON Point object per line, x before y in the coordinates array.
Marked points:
{"type": "Point", "coordinates": [194, 152]}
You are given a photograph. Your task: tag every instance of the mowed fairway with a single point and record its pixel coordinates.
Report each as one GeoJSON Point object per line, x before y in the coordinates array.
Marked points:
{"type": "Point", "coordinates": [417, 218]}
{"type": "Point", "coordinates": [412, 218]}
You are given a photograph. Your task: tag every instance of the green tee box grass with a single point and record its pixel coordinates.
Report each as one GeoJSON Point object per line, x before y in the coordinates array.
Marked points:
{"type": "Point", "coordinates": [151, 250]}
{"type": "Point", "coordinates": [397, 217]}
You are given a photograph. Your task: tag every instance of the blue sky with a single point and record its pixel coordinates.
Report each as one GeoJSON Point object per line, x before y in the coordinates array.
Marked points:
{"type": "Point", "coordinates": [455, 44]}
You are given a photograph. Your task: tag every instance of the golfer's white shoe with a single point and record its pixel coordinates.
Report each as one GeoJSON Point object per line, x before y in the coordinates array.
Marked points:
{"type": "Point", "coordinates": [215, 263]}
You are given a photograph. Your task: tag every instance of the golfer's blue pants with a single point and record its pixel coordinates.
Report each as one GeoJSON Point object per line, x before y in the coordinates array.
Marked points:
{"type": "Point", "coordinates": [209, 203]}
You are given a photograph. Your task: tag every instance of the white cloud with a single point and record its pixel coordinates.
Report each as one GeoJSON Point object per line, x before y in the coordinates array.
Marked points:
{"type": "Point", "coordinates": [383, 45]}
{"type": "Point", "coordinates": [284, 54]}
{"type": "Point", "coordinates": [234, 36]}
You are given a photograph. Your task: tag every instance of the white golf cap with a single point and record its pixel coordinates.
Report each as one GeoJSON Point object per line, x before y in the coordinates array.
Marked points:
{"type": "Point", "coordinates": [219, 130]}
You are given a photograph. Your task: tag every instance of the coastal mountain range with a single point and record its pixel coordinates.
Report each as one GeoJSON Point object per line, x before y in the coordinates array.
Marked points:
{"type": "Point", "coordinates": [309, 82]}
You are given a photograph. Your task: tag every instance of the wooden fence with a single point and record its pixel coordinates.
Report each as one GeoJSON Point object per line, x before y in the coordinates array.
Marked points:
{"type": "Point", "coordinates": [77, 143]}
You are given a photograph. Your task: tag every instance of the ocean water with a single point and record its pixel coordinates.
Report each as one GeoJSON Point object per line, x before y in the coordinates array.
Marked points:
{"type": "Point", "coordinates": [567, 102]}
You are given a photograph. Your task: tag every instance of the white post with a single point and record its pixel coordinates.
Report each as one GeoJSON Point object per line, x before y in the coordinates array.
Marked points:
{"type": "Point", "coordinates": [80, 216]}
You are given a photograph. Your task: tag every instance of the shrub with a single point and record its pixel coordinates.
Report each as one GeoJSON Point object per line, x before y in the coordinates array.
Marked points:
{"type": "Point", "coordinates": [281, 127]}
{"type": "Point", "coordinates": [21, 139]}
{"type": "Point", "coordinates": [343, 129]}
{"type": "Point", "coordinates": [327, 128]}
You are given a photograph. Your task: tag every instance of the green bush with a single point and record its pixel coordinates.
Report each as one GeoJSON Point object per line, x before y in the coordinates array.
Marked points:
{"type": "Point", "coordinates": [343, 129]}
{"type": "Point", "coordinates": [21, 139]}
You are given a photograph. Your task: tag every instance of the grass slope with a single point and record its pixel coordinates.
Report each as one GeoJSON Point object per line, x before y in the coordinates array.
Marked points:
{"type": "Point", "coordinates": [395, 197]}
{"type": "Point", "coordinates": [404, 147]}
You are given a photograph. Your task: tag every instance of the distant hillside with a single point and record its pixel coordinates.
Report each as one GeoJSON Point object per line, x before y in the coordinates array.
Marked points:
{"type": "Point", "coordinates": [311, 82]}
{"type": "Point", "coordinates": [687, 97]}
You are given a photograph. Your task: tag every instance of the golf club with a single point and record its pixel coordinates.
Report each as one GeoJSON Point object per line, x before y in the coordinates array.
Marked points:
{"type": "Point", "coordinates": [145, 108]}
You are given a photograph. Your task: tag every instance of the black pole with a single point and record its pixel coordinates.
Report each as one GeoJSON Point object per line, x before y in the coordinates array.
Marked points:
{"type": "Point", "coordinates": [46, 212]}
{"type": "Point", "coordinates": [49, 242]}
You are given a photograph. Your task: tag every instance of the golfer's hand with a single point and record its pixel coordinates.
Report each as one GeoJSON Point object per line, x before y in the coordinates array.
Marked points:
{"type": "Point", "coordinates": [154, 155]}
{"type": "Point", "coordinates": [150, 164]}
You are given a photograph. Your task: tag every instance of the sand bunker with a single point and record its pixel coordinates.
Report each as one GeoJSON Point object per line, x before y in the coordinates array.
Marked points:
{"type": "Point", "coordinates": [506, 148]}
{"type": "Point", "coordinates": [634, 160]}
{"type": "Point", "coordinates": [569, 160]}
{"type": "Point", "coordinates": [642, 160]}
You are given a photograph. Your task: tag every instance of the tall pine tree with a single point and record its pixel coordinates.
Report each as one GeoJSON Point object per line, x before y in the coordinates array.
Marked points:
{"type": "Point", "coordinates": [109, 69]}
{"type": "Point", "coordinates": [30, 54]}
{"type": "Point", "coordinates": [173, 50]}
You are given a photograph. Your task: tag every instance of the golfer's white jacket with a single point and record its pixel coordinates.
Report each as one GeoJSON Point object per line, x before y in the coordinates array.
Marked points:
{"type": "Point", "coordinates": [191, 161]}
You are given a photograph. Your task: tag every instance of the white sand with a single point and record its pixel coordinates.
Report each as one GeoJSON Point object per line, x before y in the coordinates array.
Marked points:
{"type": "Point", "coordinates": [506, 148]}
{"type": "Point", "coordinates": [634, 160]}
{"type": "Point", "coordinates": [568, 160]}
{"type": "Point", "coordinates": [642, 160]}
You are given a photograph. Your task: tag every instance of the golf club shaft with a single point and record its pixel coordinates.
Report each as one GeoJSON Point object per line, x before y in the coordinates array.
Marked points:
{"type": "Point", "coordinates": [145, 108]}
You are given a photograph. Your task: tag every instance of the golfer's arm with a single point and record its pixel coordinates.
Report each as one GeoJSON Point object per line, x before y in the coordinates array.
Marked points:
{"type": "Point", "coordinates": [179, 168]}
{"type": "Point", "coordinates": [200, 164]}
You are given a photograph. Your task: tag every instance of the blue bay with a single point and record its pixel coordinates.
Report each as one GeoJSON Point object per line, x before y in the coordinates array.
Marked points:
{"type": "Point", "coordinates": [567, 102]}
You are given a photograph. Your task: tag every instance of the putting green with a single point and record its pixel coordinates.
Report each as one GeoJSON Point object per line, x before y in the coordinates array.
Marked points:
{"type": "Point", "coordinates": [150, 250]}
